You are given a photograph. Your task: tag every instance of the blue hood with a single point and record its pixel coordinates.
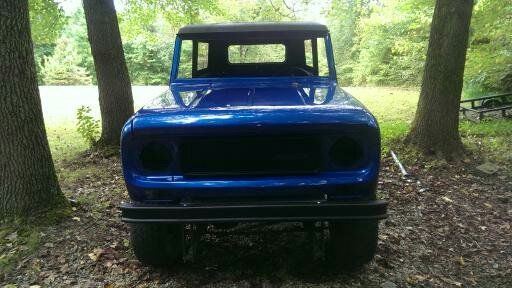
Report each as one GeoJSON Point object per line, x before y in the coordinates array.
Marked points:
{"type": "Point", "coordinates": [190, 120]}
{"type": "Point", "coordinates": [214, 111]}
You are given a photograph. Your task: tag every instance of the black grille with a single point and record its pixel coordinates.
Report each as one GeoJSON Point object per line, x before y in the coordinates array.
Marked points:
{"type": "Point", "coordinates": [261, 155]}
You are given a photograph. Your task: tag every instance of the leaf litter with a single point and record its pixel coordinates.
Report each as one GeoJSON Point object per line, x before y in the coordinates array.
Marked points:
{"type": "Point", "coordinates": [448, 228]}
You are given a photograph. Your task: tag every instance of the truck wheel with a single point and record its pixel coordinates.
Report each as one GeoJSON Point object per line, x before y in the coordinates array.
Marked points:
{"type": "Point", "coordinates": [352, 244]}
{"type": "Point", "coordinates": [157, 244]}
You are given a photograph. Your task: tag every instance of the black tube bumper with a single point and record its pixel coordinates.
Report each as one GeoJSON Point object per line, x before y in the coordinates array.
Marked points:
{"type": "Point", "coordinates": [253, 212]}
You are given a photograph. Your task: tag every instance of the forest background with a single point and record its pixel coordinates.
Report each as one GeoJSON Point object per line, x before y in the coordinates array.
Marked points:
{"type": "Point", "coordinates": [376, 42]}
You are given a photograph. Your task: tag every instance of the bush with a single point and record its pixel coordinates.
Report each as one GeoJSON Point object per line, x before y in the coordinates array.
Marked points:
{"type": "Point", "coordinates": [148, 63]}
{"type": "Point", "coordinates": [392, 43]}
{"type": "Point", "coordinates": [63, 67]}
{"type": "Point", "coordinates": [489, 61]}
{"type": "Point", "coordinates": [87, 126]}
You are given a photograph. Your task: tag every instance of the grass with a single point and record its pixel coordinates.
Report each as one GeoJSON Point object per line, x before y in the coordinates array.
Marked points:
{"type": "Point", "coordinates": [393, 107]}
{"type": "Point", "coordinates": [489, 138]}
{"type": "Point", "coordinates": [388, 104]}
{"type": "Point", "coordinates": [65, 142]}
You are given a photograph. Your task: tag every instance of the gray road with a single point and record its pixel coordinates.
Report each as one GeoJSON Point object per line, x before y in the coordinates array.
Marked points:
{"type": "Point", "coordinates": [60, 103]}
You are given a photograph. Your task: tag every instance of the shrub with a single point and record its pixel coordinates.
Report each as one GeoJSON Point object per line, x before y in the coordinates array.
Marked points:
{"type": "Point", "coordinates": [63, 67]}
{"type": "Point", "coordinates": [148, 63]}
{"type": "Point", "coordinates": [87, 126]}
{"type": "Point", "coordinates": [489, 60]}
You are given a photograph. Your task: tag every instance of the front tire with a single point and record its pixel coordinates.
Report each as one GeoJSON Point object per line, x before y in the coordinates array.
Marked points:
{"type": "Point", "coordinates": [157, 244]}
{"type": "Point", "coordinates": [352, 244]}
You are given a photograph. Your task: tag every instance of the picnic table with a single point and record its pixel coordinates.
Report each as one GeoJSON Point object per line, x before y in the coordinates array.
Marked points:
{"type": "Point", "coordinates": [487, 104]}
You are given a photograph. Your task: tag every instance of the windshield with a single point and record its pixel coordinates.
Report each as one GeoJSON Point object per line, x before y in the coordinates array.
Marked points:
{"type": "Point", "coordinates": [207, 58]}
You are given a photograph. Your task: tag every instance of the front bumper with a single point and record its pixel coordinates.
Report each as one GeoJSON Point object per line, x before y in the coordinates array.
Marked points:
{"type": "Point", "coordinates": [253, 212]}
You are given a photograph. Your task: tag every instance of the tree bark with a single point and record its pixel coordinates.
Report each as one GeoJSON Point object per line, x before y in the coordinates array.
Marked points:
{"type": "Point", "coordinates": [435, 129]}
{"type": "Point", "coordinates": [115, 94]}
{"type": "Point", "coordinates": [28, 183]}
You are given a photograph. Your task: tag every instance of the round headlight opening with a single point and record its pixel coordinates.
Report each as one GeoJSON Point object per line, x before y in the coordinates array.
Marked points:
{"type": "Point", "coordinates": [155, 157]}
{"type": "Point", "coordinates": [346, 152]}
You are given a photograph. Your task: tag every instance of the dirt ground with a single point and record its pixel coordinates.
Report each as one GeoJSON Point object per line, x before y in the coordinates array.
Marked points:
{"type": "Point", "coordinates": [448, 227]}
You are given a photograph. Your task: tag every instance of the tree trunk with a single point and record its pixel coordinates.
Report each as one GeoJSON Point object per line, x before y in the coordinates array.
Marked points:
{"type": "Point", "coordinates": [28, 183]}
{"type": "Point", "coordinates": [115, 94]}
{"type": "Point", "coordinates": [435, 129]}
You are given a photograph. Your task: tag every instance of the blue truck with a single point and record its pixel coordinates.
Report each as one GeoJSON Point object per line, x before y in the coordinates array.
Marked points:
{"type": "Point", "coordinates": [253, 128]}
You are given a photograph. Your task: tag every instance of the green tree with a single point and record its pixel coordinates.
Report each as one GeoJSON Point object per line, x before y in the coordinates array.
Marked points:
{"type": "Point", "coordinates": [75, 32]}
{"type": "Point", "coordinates": [149, 28]}
{"type": "Point", "coordinates": [47, 20]}
{"type": "Point", "coordinates": [391, 43]}
{"type": "Point", "coordinates": [344, 18]}
{"type": "Point", "coordinates": [63, 67]}
{"type": "Point", "coordinates": [145, 13]}
{"type": "Point", "coordinates": [257, 10]}
{"type": "Point", "coordinates": [489, 61]}
{"type": "Point", "coordinates": [148, 62]}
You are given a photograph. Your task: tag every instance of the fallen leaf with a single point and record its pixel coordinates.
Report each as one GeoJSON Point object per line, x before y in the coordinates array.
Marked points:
{"type": "Point", "coordinates": [61, 259]}
{"type": "Point", "coordinates": [126, 242]}
{"type": "Point", "coordinates": [108, 263]}
{"type": "Point", "coordinates": [76, 218]}
{"type": "Point", "coordinates": [109, 253]}
{"type": "Point", "coordinates": [95, 254]}
{"type": "Point", "coordinates": [450, 281]}
{"type": "Point", "coordinates": [414, 279]}
{"type": "Point", "coordinates": [446, 199]}
{"type": "Point", "coordinates": [461, 261]}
